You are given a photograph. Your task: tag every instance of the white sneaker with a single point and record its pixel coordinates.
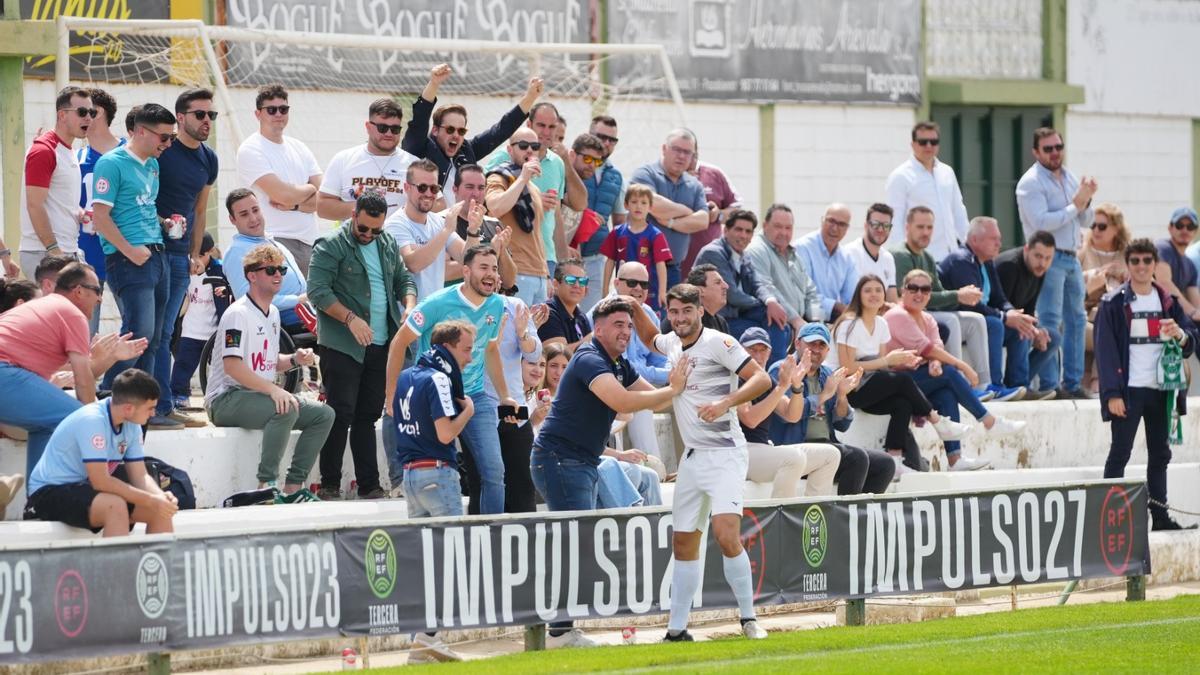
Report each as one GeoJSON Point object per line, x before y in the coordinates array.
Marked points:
{"type": "Point", "coordinates": [1005, 426]}
{"type": "Point", "coordinates": [397, 492]}
{"type": "Point", "coordinates": [572, 638]}
{"type": "Point", "coordinates": [753, 631]}
{"type": "Point", "coordinates": [431, 649]}
{"type": "Point", "coordinates": [901, 467]}
{"type": "Point", "coordinates": [970, 464]}
{"type": "Point", "coordinates": [949, 430]}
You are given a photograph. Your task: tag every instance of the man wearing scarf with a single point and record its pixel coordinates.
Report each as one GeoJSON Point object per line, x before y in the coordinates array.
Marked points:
{"type": "Point", "coordinates": [512, 197]}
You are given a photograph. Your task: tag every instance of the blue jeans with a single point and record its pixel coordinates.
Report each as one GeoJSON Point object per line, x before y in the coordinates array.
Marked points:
{"type": "Point", "coordinates": [433, 493]}
{"type": "Point", "coordinates": [614, 489]}
{"type": "Point", "coordinates": [948, 392]}
{"type": "Point", "coordinates": [781, 338]}
{"type": "Point", "coordinates": [1060, 311]}
{"type": "Point", "coordinates": [179, 274]}
{"type": "Point", "coordinates": [995, 339]}
{"type": "Point", "coordinates": [531, 289]}
{"type": "Point", "coordinates": [674, 276]}
{"type": "Point", "coordinates": [94, 322]}
{"type": "Point", "coordinates": [593, 265]}
{"type": "Point", "coordinates": [187, 358]}
{"type": "Point", "coordinates": [33, 404]}
{"type": "Point", "coordinates": [1023, 359]}
{"type": "Point", "coordinates": [645, 480]}
{"type": "Point", "coordinates": [388, 432]}
{"type": "Point", "coordinates": [567, 484]}
{"type": "Point", "coordinates": [482, 440]}
{"type": "Point", "coordinates": [141, 293]}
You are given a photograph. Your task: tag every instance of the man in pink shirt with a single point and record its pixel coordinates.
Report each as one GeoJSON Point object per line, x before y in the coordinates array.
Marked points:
{"type": "Point", "coordinates": [36, 339]}
{"type": "Point", "coordinates": [722, 198]}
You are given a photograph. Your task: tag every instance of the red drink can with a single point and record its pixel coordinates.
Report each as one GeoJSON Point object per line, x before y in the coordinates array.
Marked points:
{"type": "Point", "coordinates": [629, 635]}
{"type": "Point", "coordinates": [177, 223]}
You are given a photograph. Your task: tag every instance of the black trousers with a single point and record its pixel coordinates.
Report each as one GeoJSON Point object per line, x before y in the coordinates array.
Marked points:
{"type": "Point", "coordinates": [355, 391]}
{"type": "Point", "coordinates": [516, 443]}
{"type": "Point", "coordinates": [895, 395]}
{"type": "Point", "coordinates": [861, 471]}
{"type": "Point", "coordinates": [1149, 405]}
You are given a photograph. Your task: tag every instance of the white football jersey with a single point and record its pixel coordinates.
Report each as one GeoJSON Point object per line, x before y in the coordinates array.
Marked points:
{"type": "Point", "coordinates": [716, 360]}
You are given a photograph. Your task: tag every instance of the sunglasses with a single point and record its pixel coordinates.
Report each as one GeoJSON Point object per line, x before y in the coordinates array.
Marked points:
{"type": "Point", "coordinates": [573, 280]}
{"type": "Point", "coordinates": [426, 187]}
{"type": "Point", "coordinates": [913, 288]}
{"type": "Point", "coordinates": [201, 114]}
{"type": "Point", "coordinates": [95, 289]}
{"type": "Point", "coordinates": [879, 225]}
{"type": "Point", "coordinates": [928, 142]}
{"type": "Point", "coordinates": [272, 270]}
{"type": "Point", "coordinates": [162, 138]}
{"type": "Point", "coordinates": [276, 109]}
{"type": "Point", "coordinates": [1140, 260]}
{"type": "Point", "coordinates": [1190, 226]}
{"type": "Point", "coordinates": [393, 129]}
{"type": "Point", "coordinates": [1047, 149]}
{"type": "Point", "coordinates": [454, 131]}
{"type": "Point", "coordinates": [634, 283]}
{"type": "Point", "coordinates": [375, 231]}
{"type": "Point", "coordinates": [525, 145]}
{"type": "Point", "coordinates": [591, 161]}
{"type": "Point", "coordinates": [82, 111]}
{"type": "Point", "coordinates": [606, 138]}
{"type": "Point", "coordinates": [1100, 226]}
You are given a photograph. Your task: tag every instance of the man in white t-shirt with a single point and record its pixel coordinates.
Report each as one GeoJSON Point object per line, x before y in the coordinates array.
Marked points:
{"type": "Point", "coordinates": [379, 164]}
{"type": "Point", "coordinates": [868, 252]}
{"type": "Point", "coordinates": [425, 238]}
{"type": "Point", "coordinates": [714, 463]}
{"type": "Point", "coordinates": [241, 380]}
{"type": "Point", "coordinates": [284, 173]}
{"type": "Point", "coordinates": [50, 211]}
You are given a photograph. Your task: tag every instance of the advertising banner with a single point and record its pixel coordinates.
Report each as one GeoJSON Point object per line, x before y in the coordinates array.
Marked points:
{"type": "Point", "coordinates": [88, 51]}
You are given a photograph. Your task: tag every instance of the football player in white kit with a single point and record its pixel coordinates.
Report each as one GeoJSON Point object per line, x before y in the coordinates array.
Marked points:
{"type": "Point", "coordinates": [713, 467]}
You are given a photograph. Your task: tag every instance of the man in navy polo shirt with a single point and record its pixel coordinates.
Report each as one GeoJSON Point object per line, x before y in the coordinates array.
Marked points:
{"type": "Point", "coordinates": [568, 323]}
{"type": "Point", "coordinates": [597, 385]}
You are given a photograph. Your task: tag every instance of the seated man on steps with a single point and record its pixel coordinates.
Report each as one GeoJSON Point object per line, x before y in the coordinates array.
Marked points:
{"type": "Point", "coordinates": [242, 390]}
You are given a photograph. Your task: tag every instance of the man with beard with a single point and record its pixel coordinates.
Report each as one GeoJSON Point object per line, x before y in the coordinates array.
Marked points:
{"type": "Point", "coordinates": [868, 253]}
{"type": "Point", "coordinates": [379, 165]}
{"type": "Point", "coordinates": [188, 170]}
{"type": "Point", "coordinates": [475, 301]}
{"type": "Point", "coordinates": [357, 281]}
{"type": "Point", "coordinates": [712, 470]}
{"type": "Point", "coordinates": [516, 201]}
{"type": "Point", "coordinates": [425, 238]}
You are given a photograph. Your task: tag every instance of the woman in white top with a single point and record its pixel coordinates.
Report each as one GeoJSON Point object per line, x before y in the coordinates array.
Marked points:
{"type": "Point", "coordinates": [861, 335]}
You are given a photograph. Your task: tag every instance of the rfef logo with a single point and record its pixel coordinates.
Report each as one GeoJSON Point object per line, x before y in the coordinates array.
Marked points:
{"type": "Point", "coordinates": [153, 585]}
{"type": "Point", "coordinates": [756, 548]}
{"type": "Point", "coordinates": [1116, 530]}
{"type": "Point", "coordinates": [381, 564]}
{"type": "Point", "coordinates": [70, 603]}
{"type": "Point", "coordinates": [816, 535]}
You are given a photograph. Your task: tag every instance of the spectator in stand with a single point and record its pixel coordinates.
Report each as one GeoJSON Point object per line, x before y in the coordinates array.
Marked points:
{"type": "Point", "coordinates": [127, 183]}
{"type": "Point", "coordinates": [36, 339]}
{"type": "Point", "coordinates": [780, 270]}
{"type": "Point", "coordinates": [283, 173]}
{"type": "Point", "coordinates": [379, 165]}
{"type": "Point", "coordinates": [923, 180]}
{"type": "Point", "coordinates": [782, 465]}
{"type": "Point", "coordinates": [241, 382]}
{"type": "Point", "coordinates": [476, 301]}
{"type": "Point", "coordinates": [49, 203]}
{"type": "Point", "coordinates": [972, 265]}
{"type": "Point", "coordinates": [721, 199]}
{"type": "Point", "coordinates": [188, 169]}
{"type": "Point", "coordinates": [1051, 198]}
{"type": "Point", "coordinates": [1022, 271]}
{"type": "Point", "coordinates": [247, 217]}
{"type": "Point", "coordinates": [1132, 325]}
{"type": "Point", "coordinates": [587, 157]}
{"type": "Point", "coordinates": [606, 198]}
{"type": "Point", "coordinates": [516, 201]}
{"type": "Point", "coordinates": [1102, 258]}
{"type": "Point", "coordinates": [92, 475]}
{"type": "Point", "coordinates": [568, 323]}
{"type": "Point", "coordinates": [714, 292]}
{"type": "Point", "coordinates": [46, 274]}
{"type": "Point", "coordinates": [471, 184]}
{"type": "Point", "coordinates": [964, 333]}
{"type": "Point", "coordinates": [825, 412]}
{"type": "Point", "coordinates": [1175, 271]}
{"type": "Point", "coordinates": [575, 200]}
{"type": "Point", "coordinates": [16, 292]}
{"type": "Point", "coordinates": [831, 268]}
{"type": "Point", "coordinates": [427, 239]}
{"type": "Point", "coordinates": [680, 208]}
{"type": "Point", "coordinates": [868, 252]}
{"type": "Point", "coordinates": [637, 240]}
{"type": "Point", "coordinates": [945, 380]}
{"type": "Point", "coordinates": [208, 297]}
{"type": "Point", "coordinates": [446, 143]}
{"type": "Point", "coordinates": [358, 284]}
{"type": "Point", "coordinates": [862, 338]}
{"type": "Point", "coordinates": [99, 140]}
{"type": "Point", "coordinates": [749, 302]}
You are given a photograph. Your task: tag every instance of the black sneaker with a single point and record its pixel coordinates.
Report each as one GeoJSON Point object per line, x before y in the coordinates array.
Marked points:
{"type": "Point", "coordinates": [1075, 395]}
{"type": "Point", "coordinates": [251, 498]}
{"type": "Point", "coordinates": [1167, 524]}
{"type": "Point", "coordinates": [373, 493]}
{"type": "Point", "coordinates": [328, 494]}
{"type": "Point", "coordinates": [682, 636]}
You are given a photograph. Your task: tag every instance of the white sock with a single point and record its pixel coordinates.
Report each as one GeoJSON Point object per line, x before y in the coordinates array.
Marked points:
{"type": "Point", "coordinates": [738, 576]}
{"type": "Point", "coordinates": [685, 579]}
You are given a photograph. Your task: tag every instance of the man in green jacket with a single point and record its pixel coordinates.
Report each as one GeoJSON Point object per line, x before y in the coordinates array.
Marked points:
{"type": "Point", "coordinates": [357, 281]}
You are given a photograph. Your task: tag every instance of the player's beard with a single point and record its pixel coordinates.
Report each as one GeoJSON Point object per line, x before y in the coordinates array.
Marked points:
{"type": "Point", "coordinates": [687, 330]}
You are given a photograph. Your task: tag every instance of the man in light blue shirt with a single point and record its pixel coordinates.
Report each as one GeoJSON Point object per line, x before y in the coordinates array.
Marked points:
{"type": "Point", "coordinates": [1051, 198]}
{"type": "Point", "coordinates": [831, 268]}
{"type": "Point", "coordinates": [247, 217]}
{"type": "Point", "coordinates": [680, 207]}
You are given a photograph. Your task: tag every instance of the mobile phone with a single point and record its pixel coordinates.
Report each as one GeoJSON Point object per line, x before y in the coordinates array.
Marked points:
{"type": "Point", "coordinates": [519, 412]}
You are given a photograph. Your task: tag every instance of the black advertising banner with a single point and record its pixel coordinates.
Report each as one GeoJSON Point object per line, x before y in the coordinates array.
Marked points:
{"type": "Point", "coordinates": [815, 50]}
{"type": "Point", "coordinates": [95, 56]}
{"type": "Point", "coordinates": [431, 575]}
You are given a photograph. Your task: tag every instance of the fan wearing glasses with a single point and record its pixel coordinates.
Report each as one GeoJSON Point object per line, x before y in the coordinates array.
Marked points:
{"type": "Point", "coordinates": [568, 323]}
{"type": "Point", "coordinates": [50, 212]}
{"type": "Point", "coordinates": [1176, 272]}
{"type": "Point", "coordinates": [924, 180]}
{"type": "Point", "coordinates": [379, 164]}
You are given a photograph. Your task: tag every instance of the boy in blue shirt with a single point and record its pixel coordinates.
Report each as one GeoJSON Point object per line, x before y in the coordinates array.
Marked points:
{"type": "Point", "coordinates": [92, 474]}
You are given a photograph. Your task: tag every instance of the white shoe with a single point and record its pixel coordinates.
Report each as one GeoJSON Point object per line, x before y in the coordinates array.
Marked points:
{"type": "Point", "coordinates": [397, 492]}
{"type": "Point", "coordinates": [901, 467]}
{"type": "Point", "coordinates": [431, 649]}
{"type": "Point", "coordinates": [970, 464]}
{"type": "Point", "coordinates": [10, 487]}
{"type": "Point", "coordinates": [753, 631]}
{"type": "Point", "coordinates": [949, 430]}
{"type": "Point", "coordinates": [572, 638]}
{"type": "Point", "coordinates": [1004, 426]}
